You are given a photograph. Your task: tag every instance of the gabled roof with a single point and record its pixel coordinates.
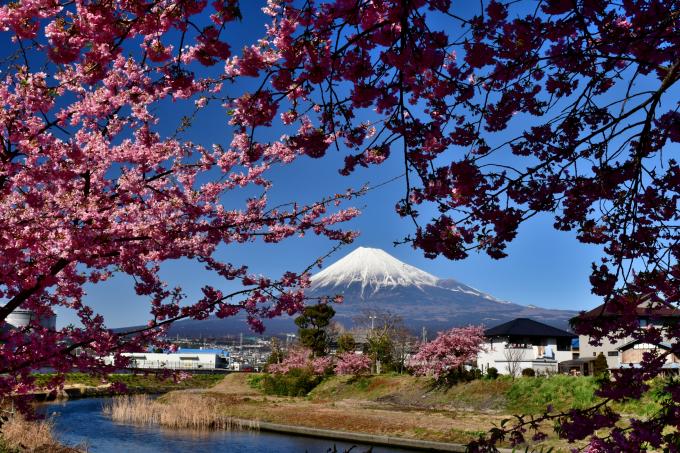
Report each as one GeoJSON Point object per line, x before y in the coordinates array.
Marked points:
{"type": "Point", "coordinates": [630, 344]}
{"type": "Point", "coordinates": [525, 327]}
{"type": "Point", "coordinates": [643, 309]}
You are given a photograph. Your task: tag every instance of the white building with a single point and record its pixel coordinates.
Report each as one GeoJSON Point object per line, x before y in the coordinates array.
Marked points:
{"type": "Point", "coordinates": [184, 359]}
{"type": "Point", "coordinates": [524, 343]}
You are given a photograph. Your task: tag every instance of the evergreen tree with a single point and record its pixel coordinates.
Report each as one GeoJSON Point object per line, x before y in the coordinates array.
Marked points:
{"type": "Point", "coordinates": [312, 324]}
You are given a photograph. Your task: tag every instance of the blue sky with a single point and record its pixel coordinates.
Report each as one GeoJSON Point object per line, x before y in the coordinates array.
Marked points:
{"type": "Point", "coordinates": [545, 267]}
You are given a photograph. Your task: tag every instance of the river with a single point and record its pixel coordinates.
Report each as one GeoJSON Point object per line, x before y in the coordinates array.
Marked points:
{"type": "Point", "coordinates": [81, 422]}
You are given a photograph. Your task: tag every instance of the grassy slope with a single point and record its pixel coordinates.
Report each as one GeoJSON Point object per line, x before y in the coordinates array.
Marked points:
{"type": "Point", "coordinates": [521, 396]}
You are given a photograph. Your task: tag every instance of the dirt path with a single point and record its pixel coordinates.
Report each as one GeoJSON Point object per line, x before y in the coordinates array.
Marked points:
{"type": "Point", "coordinates": [234, 384]}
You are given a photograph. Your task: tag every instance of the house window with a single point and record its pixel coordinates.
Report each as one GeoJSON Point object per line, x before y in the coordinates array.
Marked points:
{"type": "Point", "coordinates": [613, 353]}
{"type": "Point", "coordinates": [564, 345]}
{"type": "Point", "coordinates": [643, 322]}
{"type": "Point", "coordinates": [188, 358]}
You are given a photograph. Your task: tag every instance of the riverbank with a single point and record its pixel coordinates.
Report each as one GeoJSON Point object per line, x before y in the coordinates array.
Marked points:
{"type": "Point", "coordinates": [80, 385]}
{"type": "Point", "coordinates": [397, 406]}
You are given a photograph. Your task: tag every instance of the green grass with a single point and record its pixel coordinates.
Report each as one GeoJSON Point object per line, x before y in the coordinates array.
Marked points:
{"type": "Point", "coordinates": [137, 382]}
{"type": "Point", "coordinates": [254, 380]}
{"type": "Point", "coordinates": [534, 395]}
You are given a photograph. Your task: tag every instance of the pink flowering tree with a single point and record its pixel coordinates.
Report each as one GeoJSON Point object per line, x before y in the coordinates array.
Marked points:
{"type": "Point", "coordinates": [95, 182]}
{"type": "Point", "coordinates": [354, 364]}
{"type": "Point", "coordinates": [442, 357]}
{"type": "Point", "coordinates": [302, 359]}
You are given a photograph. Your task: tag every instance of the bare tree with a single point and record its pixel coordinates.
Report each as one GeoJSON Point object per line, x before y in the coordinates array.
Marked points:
{"type": "Point", "coordinates": [514, 357]}
{"type": "Point", "coordinates": [388, 338]}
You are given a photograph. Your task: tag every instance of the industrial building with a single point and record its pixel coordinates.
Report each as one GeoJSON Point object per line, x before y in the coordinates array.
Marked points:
{"type": "Point", "coordinates": [183, 359]}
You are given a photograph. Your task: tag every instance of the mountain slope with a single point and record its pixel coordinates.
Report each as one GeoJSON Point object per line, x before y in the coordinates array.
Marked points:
{"type": "Point", "coordinates": [373, 280]}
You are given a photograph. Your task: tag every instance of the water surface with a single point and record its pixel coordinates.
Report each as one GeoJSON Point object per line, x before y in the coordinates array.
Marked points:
{"type": "Point", "coordinates": [81, 422]}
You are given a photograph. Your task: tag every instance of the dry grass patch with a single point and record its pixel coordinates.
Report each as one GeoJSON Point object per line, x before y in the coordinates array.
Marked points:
{"type": "Point", "coordinates": [184, 411]}
{"type": "Point", "coordinates": [32, 436]}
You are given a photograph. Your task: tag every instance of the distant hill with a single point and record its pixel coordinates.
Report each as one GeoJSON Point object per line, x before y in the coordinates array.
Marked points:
{"type": "Point", "coordinates": [372, 279]}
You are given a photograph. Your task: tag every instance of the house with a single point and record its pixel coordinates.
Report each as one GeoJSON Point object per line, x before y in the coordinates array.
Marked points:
{"type": "Point", "coordinates": [630, 355]}
{"type": "Point", "coordinates": [525, 343]}
{"type": "Point", "coordinates": [646, 316]}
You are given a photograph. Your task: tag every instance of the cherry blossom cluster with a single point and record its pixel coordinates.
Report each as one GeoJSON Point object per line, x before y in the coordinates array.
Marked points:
{"type": "Point", "coordinates": [302, 359]}
{"type": "Point", "coordinates": [449, 351]}
{"type": "Point", "coordinates": [353, 364]}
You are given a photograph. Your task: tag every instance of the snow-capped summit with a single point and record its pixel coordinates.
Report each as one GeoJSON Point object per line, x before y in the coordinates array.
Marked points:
{"type": "Point", "coordinates": [372, 269]}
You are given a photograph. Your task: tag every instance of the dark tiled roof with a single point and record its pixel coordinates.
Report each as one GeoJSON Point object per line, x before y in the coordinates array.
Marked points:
{"type": "Point", "coordinates": [527, 328]}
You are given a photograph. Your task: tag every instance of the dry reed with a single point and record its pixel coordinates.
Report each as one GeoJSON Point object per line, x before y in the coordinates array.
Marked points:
{"type": "Point", "coordinates": [185, 411]}
{"type": "Point", "coordinates": [17, 432]}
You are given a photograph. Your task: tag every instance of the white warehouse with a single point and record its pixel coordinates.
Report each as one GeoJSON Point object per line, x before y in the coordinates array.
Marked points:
{"type": "Point", "coordinates": [184, 359]}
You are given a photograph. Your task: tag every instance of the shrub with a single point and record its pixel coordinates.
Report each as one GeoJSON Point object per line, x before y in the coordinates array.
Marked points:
{"type": "Point", "coordinates": [600, 366]}
{"type": "Point", "coordinates": [474, 374]}
{"type": "Point", "coordinates": [528, 372]}
{"type": "Point", "coordinates": [492, 373]}
{"type": "Point", "coordinates": [296, 382]}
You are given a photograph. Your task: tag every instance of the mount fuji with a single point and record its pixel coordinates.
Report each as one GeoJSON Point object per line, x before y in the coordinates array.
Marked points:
{"type": "Point", "coordinates": [371, 279]}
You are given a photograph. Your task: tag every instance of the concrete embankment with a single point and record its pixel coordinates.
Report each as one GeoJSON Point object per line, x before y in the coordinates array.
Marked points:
{"type": "Point", "coordinates": [373, 439]}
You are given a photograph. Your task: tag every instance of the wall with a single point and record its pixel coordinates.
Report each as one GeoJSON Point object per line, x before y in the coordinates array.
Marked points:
{"type": "Point", "coordinates": [607, 346]}
{"type": "Point", "coordinates": [172, 361]}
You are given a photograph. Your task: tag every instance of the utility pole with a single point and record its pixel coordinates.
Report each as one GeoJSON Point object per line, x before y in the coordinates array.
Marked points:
{"type": "Point", "coordinates": [372, 318]}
